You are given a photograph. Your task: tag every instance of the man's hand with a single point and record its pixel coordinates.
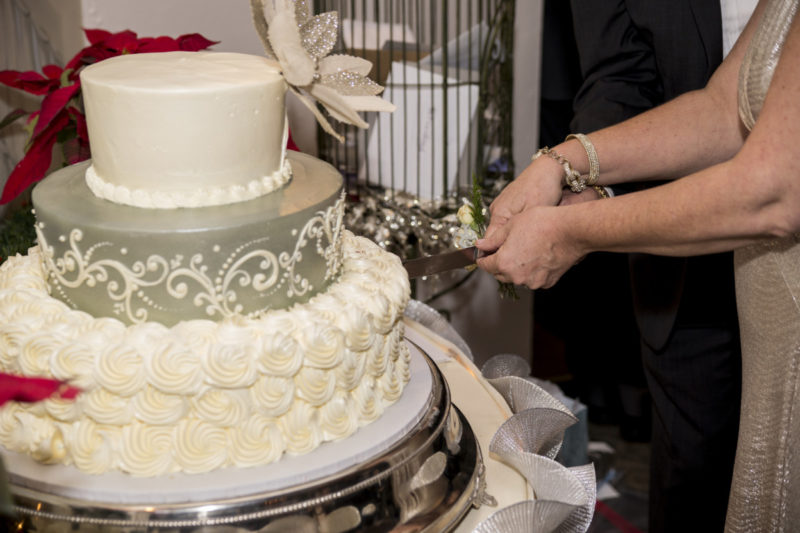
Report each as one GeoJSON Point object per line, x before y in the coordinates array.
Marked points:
{"type": "Point", "coordinates": [540, 184]}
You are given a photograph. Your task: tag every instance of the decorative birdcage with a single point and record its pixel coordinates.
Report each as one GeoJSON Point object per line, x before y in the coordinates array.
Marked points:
{"type": "Point", "coordinates": [446, 65]}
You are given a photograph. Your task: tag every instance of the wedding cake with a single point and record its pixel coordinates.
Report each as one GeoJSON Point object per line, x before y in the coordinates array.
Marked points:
{"type": "Point", "coordinates": [195, 281]}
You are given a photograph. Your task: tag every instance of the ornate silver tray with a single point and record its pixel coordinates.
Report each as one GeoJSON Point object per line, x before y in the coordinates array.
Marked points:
{"type": "Point", "coordinates": [425, 482]}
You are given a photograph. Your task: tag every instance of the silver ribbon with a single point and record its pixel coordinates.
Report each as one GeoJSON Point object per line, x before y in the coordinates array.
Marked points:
{"type": "Point", "coordinates": [529, 441]}
{"type": "Point", "coordinates": [301, 43]}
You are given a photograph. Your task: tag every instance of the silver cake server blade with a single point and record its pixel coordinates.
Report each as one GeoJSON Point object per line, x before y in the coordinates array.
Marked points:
{"type": "Point", "coordinates": [436, 264]}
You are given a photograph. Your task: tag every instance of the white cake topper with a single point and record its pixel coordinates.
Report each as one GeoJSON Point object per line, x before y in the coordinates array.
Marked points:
{"type": "Point", "coordinates": [301, 44]}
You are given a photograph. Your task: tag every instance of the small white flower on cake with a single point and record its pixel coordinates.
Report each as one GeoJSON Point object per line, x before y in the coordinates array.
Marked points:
{"type": "Point", "coordinates": [465, 215]}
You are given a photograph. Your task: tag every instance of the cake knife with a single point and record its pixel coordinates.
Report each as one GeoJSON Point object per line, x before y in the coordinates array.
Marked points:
{"type": "Point", "coordinates": [436, 264]}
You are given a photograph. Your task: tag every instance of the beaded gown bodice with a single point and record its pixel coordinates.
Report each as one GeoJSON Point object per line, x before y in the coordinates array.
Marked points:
{"type": "Point", "coordinates": [765, 495]}
{"type": "Point", "coordinates": [762, 57]}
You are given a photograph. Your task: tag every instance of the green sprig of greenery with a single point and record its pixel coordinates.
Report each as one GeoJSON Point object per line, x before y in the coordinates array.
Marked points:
{"type": "Point", "coordinates": [478, 211]}
{"type": "Point", "coordinates": [479, 224]}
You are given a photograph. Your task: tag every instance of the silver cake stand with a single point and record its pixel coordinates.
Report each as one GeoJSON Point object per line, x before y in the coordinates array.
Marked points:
{"type": "Point", "coordinates": [426, 480]}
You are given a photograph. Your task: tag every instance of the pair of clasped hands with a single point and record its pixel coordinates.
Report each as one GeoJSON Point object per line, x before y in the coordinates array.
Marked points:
{"type": "Point", "coordinates": [528, 241]}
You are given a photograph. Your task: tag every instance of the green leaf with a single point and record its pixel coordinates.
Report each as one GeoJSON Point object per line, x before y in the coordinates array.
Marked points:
{"type": "Point", "coordinates": [478, 216]}
{"type": "Point", "coordinates": [65, 77]}
{"type": "Point", "coordinates": [66, 134]}
{"type": "Point", "coordinates": [507, 290]}
{"type": "Point", "coordinates": [29, 127]}
{"type": "Point", "coordinates": [17, 233]}
{"type": "Point", "coordinates": [12, 116]}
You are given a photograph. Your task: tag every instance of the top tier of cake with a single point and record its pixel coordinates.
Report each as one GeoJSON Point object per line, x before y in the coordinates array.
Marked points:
{"type": "Point", "coordinates": [185, 129]}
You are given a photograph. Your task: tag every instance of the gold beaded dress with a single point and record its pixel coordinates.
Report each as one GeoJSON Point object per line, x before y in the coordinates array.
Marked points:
{"type": "Point", "coordinates": [765, 494]}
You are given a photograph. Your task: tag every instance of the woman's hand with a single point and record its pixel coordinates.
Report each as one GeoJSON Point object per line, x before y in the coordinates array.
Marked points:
{"type": "Point", "coordinates": [538, 185]}
{"type": "Point", "coordinates": [533, 248]}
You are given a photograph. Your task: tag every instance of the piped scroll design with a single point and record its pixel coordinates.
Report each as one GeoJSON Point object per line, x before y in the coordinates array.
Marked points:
{"type": "Point", "coordinates": [326, 226]}
{"type": "Point", "coordinates": [219, 295]}
{"type": "Point", "coordinates": [180, 279]}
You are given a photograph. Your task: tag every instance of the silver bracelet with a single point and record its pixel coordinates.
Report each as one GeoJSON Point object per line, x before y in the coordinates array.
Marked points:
{"type": "Point", "coordinates": [572, 177]}
{"type": "Point", "coordinates": [591, 153]}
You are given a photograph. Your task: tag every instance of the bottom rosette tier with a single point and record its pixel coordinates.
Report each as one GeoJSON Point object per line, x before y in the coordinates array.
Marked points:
{"type": "Point", "coordinates": [203, 395]}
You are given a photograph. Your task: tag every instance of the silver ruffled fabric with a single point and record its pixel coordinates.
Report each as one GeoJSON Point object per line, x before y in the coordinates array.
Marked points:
{"type": "Point", "coordinates": [434, 321]}
{"type": "Point", "coordinates": [529, 441]}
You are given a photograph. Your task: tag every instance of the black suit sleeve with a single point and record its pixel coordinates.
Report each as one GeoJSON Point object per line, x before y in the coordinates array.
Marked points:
{"type": "Point", "coordinates": [618, 66]}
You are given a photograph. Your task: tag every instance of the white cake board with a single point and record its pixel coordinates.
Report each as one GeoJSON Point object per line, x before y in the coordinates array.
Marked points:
{"type": "Point", "coordinates": [328, 459]}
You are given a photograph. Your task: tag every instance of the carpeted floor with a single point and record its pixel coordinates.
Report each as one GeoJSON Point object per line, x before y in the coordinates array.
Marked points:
{"type": "Point", "coordinates": [623, 474]}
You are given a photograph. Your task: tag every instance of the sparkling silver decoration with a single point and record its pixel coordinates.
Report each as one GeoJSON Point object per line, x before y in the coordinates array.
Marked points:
{"type": "Point", "coordinates": [434, 321]}
{"type": "Point", "coordinates": [403, 224]}
{"type": "Point", "coordinates": [316, 34]}
{"type": "Point", "coordinates": [529, 442]}
{"type": "Point", "coordinates": [300, 43]}
{"type": "Point", "coordinates": [521, 394]}
{"type": "Point", "coordinates": [410, 227]}
{"type": "Point", "coordinates": [351, 84]}
{"type": "Point", "coordinates": [522, 517]}
{"type": "Point", "coordinates": [538, 430]}
{"type": "Point", "coordinates": [506, 365]}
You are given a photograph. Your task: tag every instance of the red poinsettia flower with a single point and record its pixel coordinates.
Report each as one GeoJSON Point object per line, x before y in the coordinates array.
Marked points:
{"type": "Point", "coordinates": [25, 389]}
{"type": "Point", "coordinates": [33, 82]}
{"type": "Point", "coordinates": [290, 143]}
{"type": "Point", "coordinates": [60, 118]}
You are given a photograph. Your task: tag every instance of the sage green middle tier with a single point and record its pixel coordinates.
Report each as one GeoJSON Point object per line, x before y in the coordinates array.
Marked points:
{"type": "Point", "coordinates": [168, 265]}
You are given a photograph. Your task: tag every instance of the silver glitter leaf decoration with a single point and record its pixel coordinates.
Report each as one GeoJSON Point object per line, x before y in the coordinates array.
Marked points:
{"type": "Point", "coordinates": [317, 113]}
{"type": "Point", "coordinates": [301, 45]}
{"type": "Point", "coordinates": [349, 83]}
{"type": "Point", "coordinates": [301, 11]}
{"type": "Point", "coordinates": [341, 62]}
{"type": "Point", "coordinates": [369, 103]}
{"type": "Point", "coordinates": [319, 34]}
{"type": "Point", "coordinates": [298, 67]}
{"type": "Point", "coordinates": [336, 105]}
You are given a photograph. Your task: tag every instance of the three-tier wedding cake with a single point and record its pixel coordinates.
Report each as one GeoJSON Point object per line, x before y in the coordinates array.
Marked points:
{"type": "Point", "coordinates": [195, 281]}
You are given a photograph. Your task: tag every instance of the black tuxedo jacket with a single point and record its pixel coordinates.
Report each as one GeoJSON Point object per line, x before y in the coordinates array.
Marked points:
{"type": "Point", "coordinates": [635, 55]}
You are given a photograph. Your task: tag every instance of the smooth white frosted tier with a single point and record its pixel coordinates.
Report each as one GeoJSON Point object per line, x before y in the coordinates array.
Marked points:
{"type": "Point", "coordinates": [204, 395]}
{"type": "Point", "coordinates": [185, 129]}
{"type": "Point", "coordinates": [292, 470]}
{"type": "Point", "coordinates": [168, 265]}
